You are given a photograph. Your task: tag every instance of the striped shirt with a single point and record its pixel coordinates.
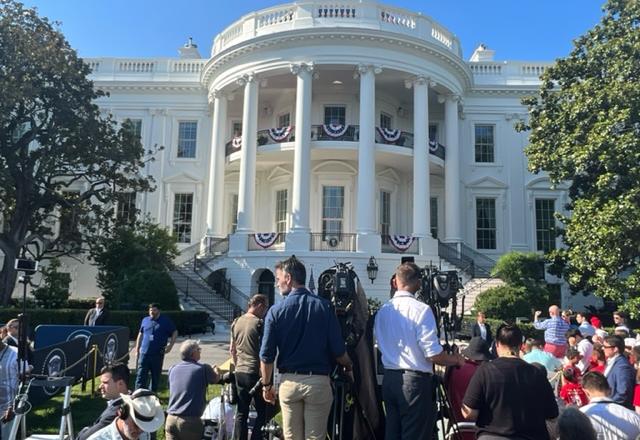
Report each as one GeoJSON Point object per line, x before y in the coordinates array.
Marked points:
{"type": "Point", "coordinates": [554, 330]}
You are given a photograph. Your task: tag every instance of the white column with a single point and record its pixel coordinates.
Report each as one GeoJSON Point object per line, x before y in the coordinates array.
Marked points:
{"type": "Point", "coordinates": [215, 194]}
{"type": "Point", "coordinates": [421, 187]}
{"type": "Point", "coordinates": [302, 148]}
{"type": "Point", "coordinates": [368, 237]}
{"type": "Point", "coordinates": [452, 215]}
{"type": "Point", "coordinates": [247, 189]}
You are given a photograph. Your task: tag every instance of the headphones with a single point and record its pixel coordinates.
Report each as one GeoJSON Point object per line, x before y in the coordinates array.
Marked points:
{"type": "Point", "coordinates": [125, 411]}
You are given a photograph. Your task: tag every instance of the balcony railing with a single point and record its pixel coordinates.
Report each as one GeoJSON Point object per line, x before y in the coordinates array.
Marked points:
{"type": "Point", "coordinates": [349, 133]}
{"type": "Point", "coordinates": [333, 242]}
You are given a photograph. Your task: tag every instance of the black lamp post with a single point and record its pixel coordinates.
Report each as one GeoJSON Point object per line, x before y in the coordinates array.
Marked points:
{"type": "Point", "coordinates": [372, 269]}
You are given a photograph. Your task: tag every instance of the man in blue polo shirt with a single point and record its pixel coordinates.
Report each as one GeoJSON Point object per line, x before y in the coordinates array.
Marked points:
{"type": "Point", "coordinates": [151, 346]}
{"type": "Point", "coordinates": [304, 331]}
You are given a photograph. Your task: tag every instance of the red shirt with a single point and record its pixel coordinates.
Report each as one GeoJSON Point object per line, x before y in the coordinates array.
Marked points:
{"type": "Point", "coordinates": [594, 366]}
{"type": "Point", "coordinates": [457, 381]}
{"type": "Point", "coordinates": [573, 394]}
{"type": "Point", "coordinates": [636, 395]}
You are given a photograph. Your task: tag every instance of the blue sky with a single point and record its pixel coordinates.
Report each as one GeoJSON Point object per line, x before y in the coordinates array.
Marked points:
{"type": "Point", "coordinates": [528, 30]}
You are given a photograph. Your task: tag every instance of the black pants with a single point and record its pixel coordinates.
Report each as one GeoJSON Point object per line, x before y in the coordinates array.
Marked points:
{"type": "Point", "coordinates": [244, 383]}
{"type": "Point", "coordinates": [409, 403]}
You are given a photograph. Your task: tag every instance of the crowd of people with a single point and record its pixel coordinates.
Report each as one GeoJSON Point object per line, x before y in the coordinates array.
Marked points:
{"type": "Point", "coordinates": [576, 382]}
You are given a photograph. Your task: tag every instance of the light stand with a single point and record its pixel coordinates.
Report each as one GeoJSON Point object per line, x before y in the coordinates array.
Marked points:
{"type": "Point", "coordinates": [28, 268]}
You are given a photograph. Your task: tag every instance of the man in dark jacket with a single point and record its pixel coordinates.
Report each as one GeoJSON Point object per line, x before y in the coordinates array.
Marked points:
{"type": "Point", "coordinates": [114, 380]}
{"type": "Point", "coordinates": [99, 315]}
{"type": "Point", "coordinates": [482, 329]}
{"type": "Point", "coordinates": [619, 372]}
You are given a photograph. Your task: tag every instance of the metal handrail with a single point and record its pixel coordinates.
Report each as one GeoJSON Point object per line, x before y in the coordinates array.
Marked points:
{"type": "Point", "coordinates": [467, 259]}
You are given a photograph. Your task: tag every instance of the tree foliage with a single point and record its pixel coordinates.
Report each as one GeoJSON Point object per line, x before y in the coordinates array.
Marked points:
{"type": "Point", "coordinates": [54, 291]}
{"type": "Point", "coordinates": [132, 264]}
{"type": "Point", "coordinates": [524, 291]}
{"type": "Point", "coordinates": [62, 164]}
{"type": "Point", "coordinates": [585, 129]}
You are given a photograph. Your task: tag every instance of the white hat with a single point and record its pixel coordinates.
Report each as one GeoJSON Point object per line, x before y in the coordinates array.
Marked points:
{"type": "Point", "coordinates": [144, 409]}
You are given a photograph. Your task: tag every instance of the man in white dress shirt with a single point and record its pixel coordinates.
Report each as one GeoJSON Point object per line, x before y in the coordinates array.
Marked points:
{"type": "Point", "coordinates": [405, 330]}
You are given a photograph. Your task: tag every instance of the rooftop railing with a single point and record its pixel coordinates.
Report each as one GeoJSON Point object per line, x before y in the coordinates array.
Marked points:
{"type": "Point", "coordinates": [321, 14]}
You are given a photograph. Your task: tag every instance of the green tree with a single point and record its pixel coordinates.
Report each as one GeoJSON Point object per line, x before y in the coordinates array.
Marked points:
{"type": "Point", "coordinates": [54, 292]}
{"type": "Point", "coordinates": [585, 129]}
{"type": "Point", "coordinates": [525, 288]}
{"type": "Point", "coordinates": [62, 164]}
{"type": "Point", "coordinates": [128, 256]}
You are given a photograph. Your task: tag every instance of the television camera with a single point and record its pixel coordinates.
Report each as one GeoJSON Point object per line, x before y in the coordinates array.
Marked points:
{"type": "Point", "coordinates": [439, 290]}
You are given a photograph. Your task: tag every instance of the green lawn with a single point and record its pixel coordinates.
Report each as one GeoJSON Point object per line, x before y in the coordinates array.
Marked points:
{"type": "Point", "coordinates": [85, 408]}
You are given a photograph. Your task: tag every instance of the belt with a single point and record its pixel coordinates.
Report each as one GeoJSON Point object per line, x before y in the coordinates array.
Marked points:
{"type": "Point", "coordinates": [302, 372]}
{"type": "Point", "coordinates": [420, 373]}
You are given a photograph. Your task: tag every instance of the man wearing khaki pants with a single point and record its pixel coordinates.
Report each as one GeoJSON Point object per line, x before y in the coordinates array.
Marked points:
{"type": "Point", "coordinates": [304, 331]}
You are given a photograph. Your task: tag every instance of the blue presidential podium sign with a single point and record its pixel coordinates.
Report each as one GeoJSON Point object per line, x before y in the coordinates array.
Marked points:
{"type": "Point", "coordinates": [65, 350]}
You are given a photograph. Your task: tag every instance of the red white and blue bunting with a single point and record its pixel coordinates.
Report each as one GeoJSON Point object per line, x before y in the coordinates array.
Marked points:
{"type": "Point", "coordinates": [280, 134]}
{"type": "Point", "coordinates": [401, 242]}
{"type": "Point", "coordinates": [236, 142]}
{"type": "Point", "coordinates": [433, 146]}
{"type": "Point", "coordinates": [265, 239]}
{"type": "Point", "coordinates": [388, 134]}
{"type": "Point", "coordinates": [335, 130]}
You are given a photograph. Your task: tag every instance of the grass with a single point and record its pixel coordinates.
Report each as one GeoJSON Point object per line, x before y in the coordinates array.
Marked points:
{"type": "Point", "coordinates": [85, 408]}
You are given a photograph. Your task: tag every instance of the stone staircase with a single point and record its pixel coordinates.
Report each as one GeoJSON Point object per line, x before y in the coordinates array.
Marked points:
{"type": "Point", "coordinates": [193, 291]}
{"type": "Point", "coordinates": [473, 288]}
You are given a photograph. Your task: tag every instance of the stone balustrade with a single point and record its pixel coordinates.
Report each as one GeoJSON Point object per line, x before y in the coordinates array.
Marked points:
{"type": "Point", "coordinates": [322, 14]}
{"type": "Point", "coordinates": [507, 72]}
{"type": "Point", "coordinates": [145, 68]}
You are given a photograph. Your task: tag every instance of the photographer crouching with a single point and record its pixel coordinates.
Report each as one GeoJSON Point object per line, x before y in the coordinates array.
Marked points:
{"type": "Point", "coordinates": [407, 336]}
{"type": "Point", "coordinates": [304, 331]}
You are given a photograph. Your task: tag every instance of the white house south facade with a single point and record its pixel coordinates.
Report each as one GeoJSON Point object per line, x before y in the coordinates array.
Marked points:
{"type": "Point", "coordinates": [334, 132]}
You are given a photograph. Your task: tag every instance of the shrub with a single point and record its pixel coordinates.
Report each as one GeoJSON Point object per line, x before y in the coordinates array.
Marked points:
{"type": "Point", "coordinates": [504, 302]}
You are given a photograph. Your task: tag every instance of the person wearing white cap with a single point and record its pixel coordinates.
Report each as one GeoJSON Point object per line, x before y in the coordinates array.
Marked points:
{"type": "Point", "coordinates": [140, 412]}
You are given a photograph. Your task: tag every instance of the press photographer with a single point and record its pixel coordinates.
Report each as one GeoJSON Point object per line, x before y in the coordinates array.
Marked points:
{"type": "Point", "coordinates": [304, 331]}
{"type": "Point", "coordinates": [407, 335]}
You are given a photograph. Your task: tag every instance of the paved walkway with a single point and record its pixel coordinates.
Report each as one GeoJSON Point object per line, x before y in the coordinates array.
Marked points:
{"type": "Point", "coordinates": [215, 349]}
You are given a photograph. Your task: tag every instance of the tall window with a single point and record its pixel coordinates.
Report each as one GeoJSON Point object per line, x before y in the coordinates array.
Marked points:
{"type": "Point", "coordinates": [233, 221]}
{"type": "Point", "coordinates": [281, 210]}
{"type": "Point", "coordinates": [126, 207]}
{"type": "Point", "coordinates": [433, 132]}
{"type": "Point", "coordinates": [433, 211]}
{"type": "Point", "coordinates": [182, 216]}
{"type": "Point", "coordinates": [187, 136]}
{"type": "Point", "coordinates": [136, 127]}
{"type": "Point", "coordinates": [385, 215]}
{"type": "Point", "coordinates": [335, 115]}
{"type": "Point", "coordinates": [484, 143]}
{"type": "Point", "coordinates": [69, 233]}
{"type": "Point", "coordinates": [284, 120]}
{"type": "Point", "coordinates": [486, 223]}
{"type": "Point", "coordinates": [545, 225]}
{"type": "Point", "coordinates": [236, 128]}
{"type": "Point", "coordinates": [332, 210]}
{"type": "Point", "coordinates": [385, 120]}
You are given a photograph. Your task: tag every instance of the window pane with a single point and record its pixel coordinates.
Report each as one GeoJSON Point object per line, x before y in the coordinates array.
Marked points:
{"type": "Point", "coordinates": [234, 213]}
{"type": "Point", "coordinates": [484, 143]}
{"type": "Point", "coordinates": [433, 132]}
{"type": "Point", "coordinates": [433, 205]}
{"type": "Point", "coordinates": [486, 223]}
{"type": "Point", "coordinates": [237, 129]}
{"type": "Point", "coordinates": [332, 210]}
{"type": "Point", "coordinates": [281, 210]}
{"type": "Point", "coordinates": [545, 225]}
{"type": "Point", "coordinates": [182, 215]}
{"type": "Point", "coordinates": [385, 120]}
{"type": "Point", "coordinates": [127, 207]}
{"type": "Point", "coordinates": [385, 215]}
{"type": "Point", "coordinates": [284, 120]}
{"type": "Point", "coordinates": [136, 127]}
{"type": "Point", "coordinates": [187, 135]}
{"type": "Point", "coordinates": [335, 115]}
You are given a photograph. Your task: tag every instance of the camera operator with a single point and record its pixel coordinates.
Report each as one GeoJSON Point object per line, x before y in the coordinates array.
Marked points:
{"type": "Point", "coordinates": [406, 332]}
{"type": "Point", "coordinates": [246, 335]}
{"type": "Point", "coordinates": [306, 334]}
